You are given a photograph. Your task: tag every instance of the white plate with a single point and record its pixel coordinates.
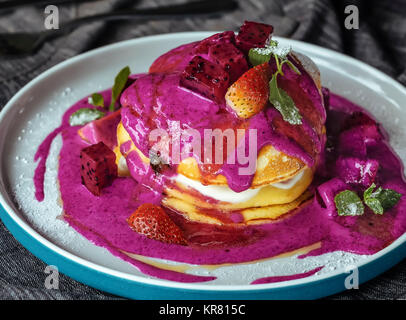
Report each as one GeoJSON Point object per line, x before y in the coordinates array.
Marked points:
{"type": "Point", "coordinates": [37, 109]}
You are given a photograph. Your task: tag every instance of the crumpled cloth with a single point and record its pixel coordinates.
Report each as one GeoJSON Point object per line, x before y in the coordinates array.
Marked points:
{"type": "Point", "coordinates": [380, 41]}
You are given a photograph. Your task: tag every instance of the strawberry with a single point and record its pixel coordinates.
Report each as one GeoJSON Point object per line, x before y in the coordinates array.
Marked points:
{"type": "Point", "coordinates": [153, 222]}
{"type": "Point", "coordinates": [250, 93]}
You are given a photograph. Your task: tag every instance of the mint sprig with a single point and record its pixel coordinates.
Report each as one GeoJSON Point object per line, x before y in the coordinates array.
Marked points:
{"type": "Point", "coordinates": [348, 204]}
{"type": "Point", "coordinates": [380, 200]}
{"type": "Point", "coordinates": [283, 103]}
{"type": "Point", "coordinates": [84, 115]}
{"type": "Point", "coordinates": [97, 100]}
{"type": "Point", "coordinates": [119, 83]}
{"type": "Point", "coordinates": [258, 56]}
{"type": "Point", "coordinates": [277, 96]}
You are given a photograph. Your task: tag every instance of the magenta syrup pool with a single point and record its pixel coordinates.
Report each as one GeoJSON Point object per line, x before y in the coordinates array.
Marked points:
{"type": "Point", "coordinates": [326, 178]}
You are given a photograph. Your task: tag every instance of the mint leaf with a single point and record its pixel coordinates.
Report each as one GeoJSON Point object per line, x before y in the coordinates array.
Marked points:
{"type": "Point", "coordinates": [257, 57]}
{"type": "Point", "coordinates": [368, 192]}
{"type": "Point", "coordinates": [375, 205]}
{"type": "Point", "coordinates": [380, 200]}
{"type": "Point", "coordinates": [389, 198]}
{"type": "Point", "coordinates": [97, 100]}
{"type": "Point", "coordinates": [371, 201]}
{"type": "Point", "coordinates": [84, 115]}
{"type": "Point", "coordinates": [273, 43]}
{"type": "Point", "coordinates": [348, 204]}
{"type": "Point", "coordinates": [283, 102]}
{"type": "Point", "coordinates": [119, 84]}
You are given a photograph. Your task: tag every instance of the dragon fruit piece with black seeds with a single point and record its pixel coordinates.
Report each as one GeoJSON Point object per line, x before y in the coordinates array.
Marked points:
{"type": "Point", "coordinates": [98, 167]}
{"type": "Point", "coordinates": [218, 38]}
{"type": "Point", "coordinates": [205, 78]}
{"type": "Point", "coordinates": [253, 35]}
{"type": "Point", "coordinates": [229, 58]}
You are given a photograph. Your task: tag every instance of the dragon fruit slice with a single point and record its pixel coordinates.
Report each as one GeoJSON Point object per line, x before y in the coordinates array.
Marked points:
{"type": "Point", "coordinates": [364, 124]}
{"type": "Point", "coordinates": [205, 78]}
{"type": "Point", "coordinates": [103, 129]}
{"type": "Point", "coordinates": [229, 58]}
{"type": "Point", "coordinates": [327, 192]}
{"type": "Point", "coordinates": [174, 60]}
{"type": "Point", "coordinates": [253, 35]}
{"type": "Point", "coordinates": [358, 118]}
{"type": "Point", "coordinates": [98, 167]}
{"type": "Point", "coordinates": [356, 171]}
{"type": "Point", "coordinates": [218, 38]}
{"type": "Point", "coordinates": [352, 143]}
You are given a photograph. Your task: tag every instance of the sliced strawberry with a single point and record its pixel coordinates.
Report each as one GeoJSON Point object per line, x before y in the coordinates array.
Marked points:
{"type": "Point", "coordinates": [250, 93]}
{"type": "Point", "coordinates": [152, 221]}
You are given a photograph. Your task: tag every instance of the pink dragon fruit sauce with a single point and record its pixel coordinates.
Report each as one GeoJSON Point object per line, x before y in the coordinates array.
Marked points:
{"type": "Point", "coordinates": [103, 219]}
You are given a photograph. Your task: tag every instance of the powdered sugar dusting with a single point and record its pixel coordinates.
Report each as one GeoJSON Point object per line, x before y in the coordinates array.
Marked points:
{"type": "Point", "coordinates": [274, 48]}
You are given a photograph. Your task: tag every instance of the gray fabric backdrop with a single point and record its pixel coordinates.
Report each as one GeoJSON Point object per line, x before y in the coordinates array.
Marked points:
{"type": "Point", "coordinates": [380, 42]}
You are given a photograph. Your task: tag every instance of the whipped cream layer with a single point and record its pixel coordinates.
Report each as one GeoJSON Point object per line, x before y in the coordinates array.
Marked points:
{"type": "Point", "coordinates": [225, 194]}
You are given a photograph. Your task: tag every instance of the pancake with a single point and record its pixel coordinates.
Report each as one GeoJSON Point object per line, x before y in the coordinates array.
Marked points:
{"type": "Point", "coordinates": [267, 203]}
{"type": "Point", "coordinates": [252, 215]}
{"type": "Point", "coordinates": [272, 166]}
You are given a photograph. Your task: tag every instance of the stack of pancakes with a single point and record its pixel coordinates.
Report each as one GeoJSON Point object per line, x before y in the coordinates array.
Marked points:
{"type": "Point", "coordinates": [280, 184]}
